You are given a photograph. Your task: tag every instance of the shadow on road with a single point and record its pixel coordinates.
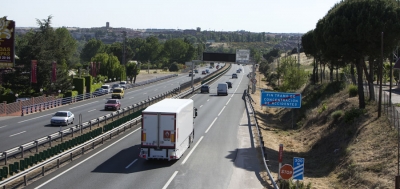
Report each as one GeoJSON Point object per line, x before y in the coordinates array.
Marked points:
{"type": "Point", "coordinates": [120, 161]}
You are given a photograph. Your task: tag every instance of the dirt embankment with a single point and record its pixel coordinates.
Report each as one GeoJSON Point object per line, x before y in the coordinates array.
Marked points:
{"type": "Point", "coordinates": [354, 149]}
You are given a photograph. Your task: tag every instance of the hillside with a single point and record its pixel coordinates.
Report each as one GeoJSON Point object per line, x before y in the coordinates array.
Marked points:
{"type": "Point", "coordinates": [355, 149]}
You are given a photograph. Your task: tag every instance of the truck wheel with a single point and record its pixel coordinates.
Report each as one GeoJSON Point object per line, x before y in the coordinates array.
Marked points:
{"type": "Point", "coordinates": [190, 141]}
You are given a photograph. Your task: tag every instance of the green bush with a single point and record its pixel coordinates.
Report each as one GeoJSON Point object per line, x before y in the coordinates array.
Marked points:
{"type": "Point", "coordinates": [165, 69]}
{"type": "Point", "coordinates": [79, 84]}
{"type": "Point", "coordinates": [174, 67]}
{"type": "Point", "coordinates": [353, 90]}
{"type": "Point", "coordinates": [352, 114]}
{"type": "Point", "coordinates": [337, 114]}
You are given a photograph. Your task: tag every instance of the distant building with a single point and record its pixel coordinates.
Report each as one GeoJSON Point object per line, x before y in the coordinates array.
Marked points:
{"type": "Point", "coordinates": [189, 32]}
{"type": "Point", "coordinates": [198, 29]}
{"type": "Point", "coordinates": [107, 25]}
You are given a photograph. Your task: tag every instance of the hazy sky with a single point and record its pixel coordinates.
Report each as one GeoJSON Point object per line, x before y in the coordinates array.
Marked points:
{"type": "Point", "coordinates": [276, 16]}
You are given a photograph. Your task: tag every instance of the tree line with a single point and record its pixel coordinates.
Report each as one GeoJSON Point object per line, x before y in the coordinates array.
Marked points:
{"type": "Point", "coordinates": [352, 34]}
{"type": "Point", "coordinates": [48, 45]}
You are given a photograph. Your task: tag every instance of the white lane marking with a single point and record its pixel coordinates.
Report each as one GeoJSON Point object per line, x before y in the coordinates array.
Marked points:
{"type": "Point", "coordinates": [131, 97]}
{"type": "Point", "coordinates": [91, 110]}
{"type": "Point", "coordinates": [193, 96]}
{"type": "Point", "coordinates": [201, 106]}
{"type": "Point", "coordinates": [208, 100]}
{"type": "Point", "coordinates": [228, 101]}
{"type": "Point", "coordinates": [36, 117]}
{"type": "Point", "coordinates": [144, 93]}
{"type": "Point", "coordinates": [209, 127]}
{"type": "Point", "coordinates": [131, 164]}
{"type": "Point", "coordinates": [170, 180]}
{"type": "Point", "coordinates": [155, 89]}
{"type": "Point", "coordinates": [221, 110]}
{"type": "Point", "coordinates": [191, 151]}
{"type": "Point", "coordinates": [130, 92]}
{"type": "Point", "coordinates": [17, 133]}
{"type": "Point", "coordinates": [3, 126]}
{"type": "Point", "coordinates": [83, 105]}
{"type": "Point", "coordinates": [83, 161]}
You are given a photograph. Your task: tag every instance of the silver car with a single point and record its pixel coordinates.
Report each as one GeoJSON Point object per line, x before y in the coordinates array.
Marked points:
{"type": "Point", "coordinates": [62, 118]}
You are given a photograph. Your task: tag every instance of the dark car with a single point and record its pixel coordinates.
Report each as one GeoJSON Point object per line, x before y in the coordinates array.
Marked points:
{"type": "Point", "coordinates": [203, 73]}
{"type": "Point", "coordinates": [112, 104]}
{"type": "Point", "coordinates": [191, 74]}
{"type": "Point", "coordinates": [196, 71]}
{"type": "Point", "coordinates": [205, 89]}
{"type": "Point", "coordinates": [234, 75]}
{"type": "Point", "coordinates": [229, 84]}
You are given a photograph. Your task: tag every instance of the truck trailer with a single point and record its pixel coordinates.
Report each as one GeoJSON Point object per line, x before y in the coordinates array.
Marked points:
{"type": "Point", "coordinates": [167, 129]}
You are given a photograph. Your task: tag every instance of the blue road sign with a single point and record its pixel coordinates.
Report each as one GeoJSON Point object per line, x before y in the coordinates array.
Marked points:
{"type": "Point", "coordinates": [283, 100]}
{"type": "Point", "coordinates": [298, 168]}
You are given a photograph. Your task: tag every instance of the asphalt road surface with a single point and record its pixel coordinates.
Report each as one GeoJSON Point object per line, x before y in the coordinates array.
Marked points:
{"type": "Point", "coordinates": [20, 130]}
{"type": "Point", "coordinates": [210, 162]}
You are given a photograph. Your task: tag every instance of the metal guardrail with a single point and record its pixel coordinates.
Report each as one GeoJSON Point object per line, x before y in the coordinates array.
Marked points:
{"type": "Point", "coordinates": [69, 100]}
{"type": "Point", "coordinates": [69, 154]}
{"type": "Point", "coordinates": [248, 100]}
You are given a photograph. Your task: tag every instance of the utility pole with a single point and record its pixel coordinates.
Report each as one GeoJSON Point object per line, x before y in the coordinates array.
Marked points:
{"type": "Point", "coordinates": [380, 79]}
{"type": "Point", "coordinates": [124, 49]}
{"type": "Point", "coordinates": [298, 53]}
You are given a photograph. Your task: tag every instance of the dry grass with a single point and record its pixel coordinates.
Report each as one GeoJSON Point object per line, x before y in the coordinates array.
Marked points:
{"type": "Point", "coordinates": [338, 154]}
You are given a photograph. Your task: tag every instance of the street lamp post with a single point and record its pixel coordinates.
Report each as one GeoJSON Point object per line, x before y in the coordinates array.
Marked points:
{"type": "Point", "coordinates": [41, 91]}
{"type": "Point", "coordinates": [16, 97]}
{"type": "Point", "coordinates": [59, 91]}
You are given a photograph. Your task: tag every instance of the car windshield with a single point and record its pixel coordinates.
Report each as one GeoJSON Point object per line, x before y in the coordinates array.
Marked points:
{"type": "Point", "coordinates": [122, 83]}
{"type": "Point", "coordinates": [116, 90]}
{"type": "Point", "coordinates": [104, 87]}
{"type": "Point", "coordinates": [116, 85]}
{"type": "Point", "coordinates": [61, 114]}
{"type": "Point", "coordinates": [111, 102]}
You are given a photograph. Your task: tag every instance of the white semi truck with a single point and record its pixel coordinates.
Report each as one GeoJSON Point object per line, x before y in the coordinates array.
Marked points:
{"type": "Point", "coordinates": [167, 129]}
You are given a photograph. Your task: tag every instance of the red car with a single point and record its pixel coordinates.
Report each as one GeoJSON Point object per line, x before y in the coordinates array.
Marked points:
{"type": "Point", "coordinates": [112, 104]}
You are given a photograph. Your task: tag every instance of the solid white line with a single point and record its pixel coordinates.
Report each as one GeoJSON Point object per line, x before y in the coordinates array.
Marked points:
{"type": "Point", "coordinates": [170, 180]}
{"type": "Point", "coordinates": [209, 127]}
{"type": "Point", "coordinates": [17, 133]}
{"type": "Point", "coordinates": [131, 97]}
{"type": "Point", "coordinates": [91, 110]}
{"type": "Point", "coordinates": [228, 101]}
{"type": "Point", "coordinates": [208, 100]}
{"type": "Point", "coordinates": [83, 105]}
{"type": "Point", "coordinates": [131, 164]}
{"type": "Point", "coordinates": [36, 117]}
{"type": "Point", "coordinates": [191, 151]}
{"type": "Point", "coordinates": [3, 126]}
{"type": "Point", "coordinates": [201, 106]}
{"type": "Point", "coordinates": [85, 159]}
{"type": "Point", "coordinates": [221, 110]}
{"type": "Point", "coordinates": [144, 93]}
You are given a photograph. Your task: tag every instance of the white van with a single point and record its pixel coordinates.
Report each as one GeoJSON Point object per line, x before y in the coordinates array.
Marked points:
{"type": "Point", "coordinates": [222, 88]}
{"type": "Point", "coordinates": [106, 88]}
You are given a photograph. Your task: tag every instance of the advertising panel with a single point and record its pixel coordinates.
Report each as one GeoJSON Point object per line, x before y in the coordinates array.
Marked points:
{"type": "Point", "coordinates": [7, 30]}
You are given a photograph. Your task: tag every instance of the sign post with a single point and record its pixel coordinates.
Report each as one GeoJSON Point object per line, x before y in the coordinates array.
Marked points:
{"type": "Point", "coordinates": [280, 158]}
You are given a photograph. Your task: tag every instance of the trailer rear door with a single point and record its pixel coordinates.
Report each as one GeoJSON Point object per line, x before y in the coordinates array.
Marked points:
{"type": "Point", "coordinates": [167, 134]}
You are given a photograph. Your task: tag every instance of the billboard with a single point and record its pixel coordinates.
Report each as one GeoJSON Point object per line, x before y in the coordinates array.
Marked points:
{"type": "Point", "coordinates": [7, 30]}
{"type": "Point", "coordinates": [219, 57]}
{"type": "Point", "coordinates": [242, 55]}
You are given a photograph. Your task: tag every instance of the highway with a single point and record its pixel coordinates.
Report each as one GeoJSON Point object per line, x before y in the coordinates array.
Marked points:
{"type": "Point", "coordinates": [20, 130]}
{"type": "Point", "coordinates": [209, 163]}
